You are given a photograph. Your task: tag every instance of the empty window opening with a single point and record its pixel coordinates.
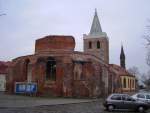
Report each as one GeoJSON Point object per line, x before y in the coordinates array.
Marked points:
{"type": "Point", "coordinates": [28, 68]}
{"type": "Point", "coordinates": [51, 69]}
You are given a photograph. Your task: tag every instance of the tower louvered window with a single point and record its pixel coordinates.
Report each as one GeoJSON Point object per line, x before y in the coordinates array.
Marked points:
{"type": "Point", "coordinates": [98, 44]}
{"type": "Point", "coordinates": [90, 45]}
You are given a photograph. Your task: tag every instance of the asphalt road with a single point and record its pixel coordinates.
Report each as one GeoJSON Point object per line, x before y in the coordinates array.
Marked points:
{"type": "Point", "coordinates": [88, 107]}
{"type": "Point", "coordinates": [25, 104]}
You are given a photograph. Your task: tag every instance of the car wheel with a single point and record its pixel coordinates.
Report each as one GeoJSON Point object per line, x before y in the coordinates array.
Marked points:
{"type": "Point", "coordinates": [141, 109]}
{"type": "Point", "coordinates": [110, 107]}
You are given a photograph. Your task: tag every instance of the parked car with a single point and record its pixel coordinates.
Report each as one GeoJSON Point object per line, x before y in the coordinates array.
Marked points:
{"type": "Point", "coordinates": [124, 101]}
{"type": "Point", "coordinates": [142, 96]}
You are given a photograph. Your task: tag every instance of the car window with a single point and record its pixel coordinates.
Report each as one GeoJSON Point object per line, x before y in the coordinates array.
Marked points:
{"type": "Point", "coordinates": [147, 96]}
{"type": "Point", "coordinates": [140, 96]}
{"type": "Point", "coordinates": [129, 99]}
{"type": "Point", "coordinates": [126, 98]}
{"type": "Point", "coordinates": [116, 97]}
{"type": "Point", "coordinates": [123, 97]}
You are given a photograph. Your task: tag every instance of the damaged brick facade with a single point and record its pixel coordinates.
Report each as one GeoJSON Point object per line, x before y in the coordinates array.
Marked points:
{"type": "Point", "coordinates": [58, 70]}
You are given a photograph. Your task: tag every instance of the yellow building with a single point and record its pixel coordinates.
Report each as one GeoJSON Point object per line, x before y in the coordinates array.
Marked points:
{"type": "Point", "coordinates": [121, 80]}
{"type": "Point", "coordinates": [127, 82]}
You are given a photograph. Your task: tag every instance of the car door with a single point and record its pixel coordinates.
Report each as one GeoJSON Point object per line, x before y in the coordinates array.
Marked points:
{"type": "Point", "coordinates": [141, 97]}
{"type": "Point", "coordinates": [128, 102]}
{"type": "Point", "coordinates": [148, 98]}
{"type": "Point", "coordinates": [117, 101]}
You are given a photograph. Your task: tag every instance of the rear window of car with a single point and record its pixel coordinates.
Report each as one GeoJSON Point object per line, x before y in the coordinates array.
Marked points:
{"type": "Point", "coordinates": [116, 97]}
{"type": "Point", "coordinates": [140, 96]}
{"type": "Point", "coordinates": [147, 96]}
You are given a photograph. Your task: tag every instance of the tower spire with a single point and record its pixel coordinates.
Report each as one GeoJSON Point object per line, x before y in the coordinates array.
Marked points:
{"type": "Point", "coordinates": [96, 27]}
{"type": "Point", "coordinates": [122, 58]}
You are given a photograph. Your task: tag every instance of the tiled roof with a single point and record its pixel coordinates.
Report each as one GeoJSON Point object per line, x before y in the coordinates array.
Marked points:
{"type": "Point", "coordinates": [119, 70]}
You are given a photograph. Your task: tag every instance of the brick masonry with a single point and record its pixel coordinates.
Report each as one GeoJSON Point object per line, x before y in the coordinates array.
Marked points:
{"type": "Point", "coordinates": [78, 74]}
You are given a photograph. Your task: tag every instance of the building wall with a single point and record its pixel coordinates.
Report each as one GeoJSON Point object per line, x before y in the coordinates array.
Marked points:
{"type": "Point", "coordinates": [2, 82]}
{"type": "Point", "coordinates": [102, 52]}
{"type": "Point", "coordinates": [54, 43]}
{"type": "Point", "coordinates": [128, 83]}
{"type": "Point", "coordinates": [115, 84]}
{"type": "Point", "coordinates": [121, 84]}
{"type": "Point", "coordinates": [121, 81]}
{"type": "Point", "coordinates": [77, 74]}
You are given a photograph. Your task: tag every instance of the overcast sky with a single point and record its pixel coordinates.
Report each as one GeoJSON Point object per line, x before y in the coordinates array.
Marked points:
{"type": "Point", "coordinates": [27, 20]}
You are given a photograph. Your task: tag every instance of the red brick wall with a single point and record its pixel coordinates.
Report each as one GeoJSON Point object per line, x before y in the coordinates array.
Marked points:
{"type": "Point", "coordinates": [51, 43]}
{"type": "Point", "coordinates": [65, 84]}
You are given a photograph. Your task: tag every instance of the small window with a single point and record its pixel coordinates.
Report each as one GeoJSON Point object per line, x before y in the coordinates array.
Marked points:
{"type": "Point", "coordinates": [140, 96]}
{"type": "Point", "coordinates": [98, 44]}
{"type": "Point", "coordinates": [90, 45]}
{"type": "Point", "coordinates": [147, 96]}
{"type": "Point", "coordinates": [124, 83]}
{"type": "Point", "coordinates": [116, 97]}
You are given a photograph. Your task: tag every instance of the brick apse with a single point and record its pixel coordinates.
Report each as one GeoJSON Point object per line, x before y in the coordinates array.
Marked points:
{"type": "Point", "coordinates": [58, 70]}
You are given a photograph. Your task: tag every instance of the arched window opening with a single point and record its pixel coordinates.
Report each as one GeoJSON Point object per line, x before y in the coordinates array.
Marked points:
{"type": "Point", "coordinates": [90, 45]}
{"type": "Point", "coordinates": [51, 69]}
{"type": "Point", "coordinates": [128, 83]}
{"type": "Point", "coordinates": [28, 68]}
{"type": "Point", "coordinates": [133, 84]}
{"type": "Point", "coordinates": [124, 82]}
{"type": "Point", "coordinates": [98, 44]}
{"type": "Point", "coordinates": [39, 60]}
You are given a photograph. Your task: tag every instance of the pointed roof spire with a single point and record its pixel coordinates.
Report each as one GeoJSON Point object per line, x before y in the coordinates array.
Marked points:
{"type": "Point", "coordinates": [122, 58]}
{"type": "Point", "coordinates": [96, 27]}
{"type": "Point", "coordinates": [122, 55]}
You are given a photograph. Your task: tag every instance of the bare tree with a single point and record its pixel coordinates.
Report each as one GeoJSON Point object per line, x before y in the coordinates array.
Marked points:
{"type": "Point", "coordinates": [148, 57]}
{"type": "Point", "coordinates": [146, 79]}
{"type": "Point", "coordinates": [147, 34]}
{"type": "Point", "coordinates": [134, 71]}
{"type": "Point", "coordinates": [147, 38]}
